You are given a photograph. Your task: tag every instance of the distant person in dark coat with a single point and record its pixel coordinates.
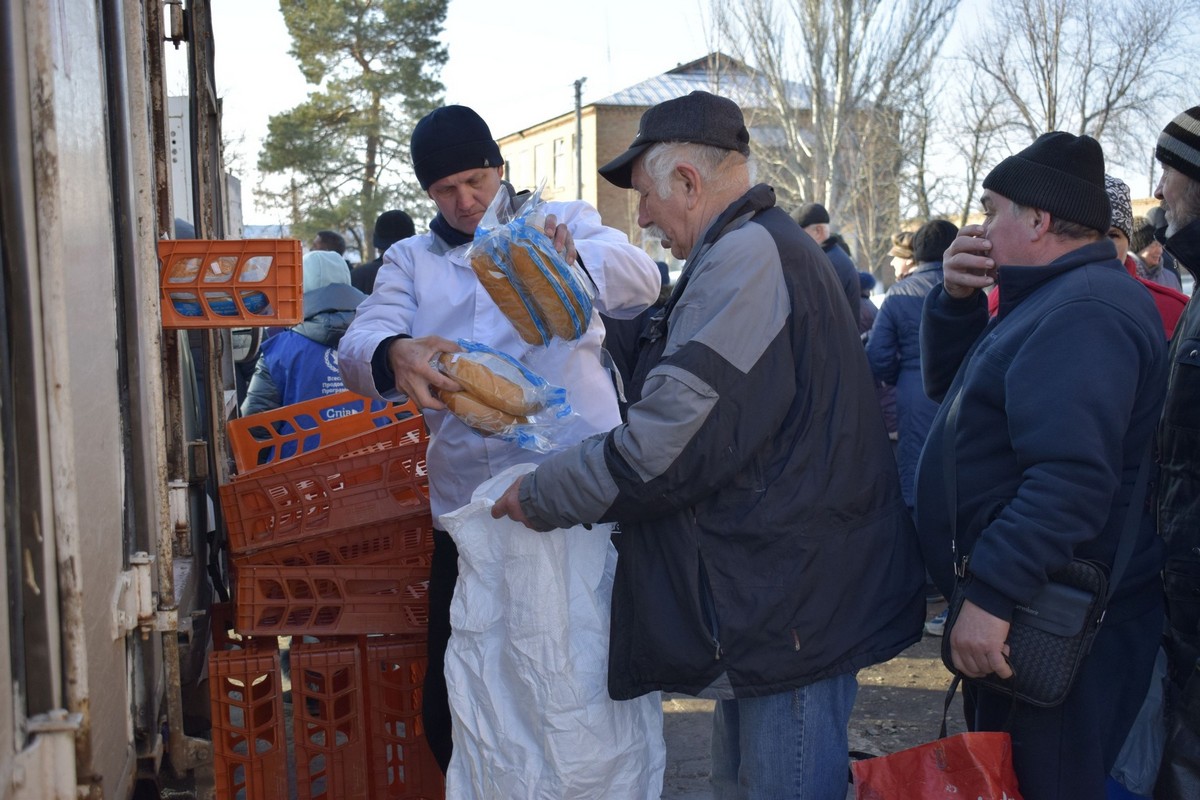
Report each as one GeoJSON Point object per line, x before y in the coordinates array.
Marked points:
{"type": "Point", "coordinates": [390, 227]}
{"type": "Point", "coordinates": [815, 220]}
{"type": "Point", "coordinates": [894, 346]}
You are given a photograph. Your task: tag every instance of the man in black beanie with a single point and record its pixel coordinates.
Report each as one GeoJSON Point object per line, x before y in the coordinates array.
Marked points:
{"type": "Point", "coordinates": [1178, 151]}
{"type": "Point", "coordinates": [426, 297]}
{"type": "Point", "coordinates": [390, 227]}
{"type": "Point", "coordinates": [1056, 400]}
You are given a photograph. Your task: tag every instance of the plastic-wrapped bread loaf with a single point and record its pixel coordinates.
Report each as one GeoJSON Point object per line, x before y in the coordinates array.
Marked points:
{"type": "Point", "coordinates": [492, 381]}
{"type": "Point", "coordinates": [550, 290]}
{"type": "Point", "coordinates": [518, 309]}
{"type": "Point", "coordinates": [479, 415]}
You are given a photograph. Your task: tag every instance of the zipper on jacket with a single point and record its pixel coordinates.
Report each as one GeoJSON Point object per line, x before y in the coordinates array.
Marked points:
{"type": "Point", "coordinates": [709, 610]}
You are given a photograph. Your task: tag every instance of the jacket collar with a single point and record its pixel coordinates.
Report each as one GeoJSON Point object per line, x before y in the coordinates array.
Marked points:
{"type": "Point", "coordinates": [1019, 282]}
{"type": "Point", "coordinates": [758, 198]}
{"type": "Point", "coordinates": [1185, 246]}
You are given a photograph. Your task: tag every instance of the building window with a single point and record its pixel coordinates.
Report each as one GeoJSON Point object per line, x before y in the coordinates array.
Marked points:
{"type": "Point", "coordinates": [541, 168]}
{"type": "Point", "coordinates": [562, 167]}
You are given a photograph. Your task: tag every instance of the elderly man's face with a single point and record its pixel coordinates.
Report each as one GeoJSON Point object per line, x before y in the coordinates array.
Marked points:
{"type": "Point", "coordinates": [464, 196]}
{"type": "Point", "coordinates": [1181, 198]}
{"type": "Point", "coordinates": [664, 217]}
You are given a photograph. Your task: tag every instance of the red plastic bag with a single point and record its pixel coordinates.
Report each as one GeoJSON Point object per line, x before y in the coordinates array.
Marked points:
{"type": "Point", "coordinates": [961, 767]}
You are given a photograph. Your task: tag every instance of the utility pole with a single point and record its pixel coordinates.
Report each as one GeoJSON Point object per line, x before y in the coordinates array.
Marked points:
{"type": "Point", "coordinates": [579, 138]}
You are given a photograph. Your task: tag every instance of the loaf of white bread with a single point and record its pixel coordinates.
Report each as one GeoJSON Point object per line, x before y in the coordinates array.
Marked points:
{"type": "Point", "coordinates": [496, 396]}
{"type": "Point", "coordinates": [530, 283]}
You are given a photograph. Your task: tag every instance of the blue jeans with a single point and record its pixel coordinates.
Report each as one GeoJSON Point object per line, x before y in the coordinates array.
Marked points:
{"type": "Point", "coordinates": [786, 746]}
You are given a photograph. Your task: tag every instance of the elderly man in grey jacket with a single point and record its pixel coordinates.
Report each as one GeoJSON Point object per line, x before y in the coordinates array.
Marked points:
{"type": "Point", "coordinates": [765, 551]}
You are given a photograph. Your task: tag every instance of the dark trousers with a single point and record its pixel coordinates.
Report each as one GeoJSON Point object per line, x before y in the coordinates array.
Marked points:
{"type": "Point", "coordinates": [435, 704]}
{"type": "Point", "coordinates": [1067, 752]}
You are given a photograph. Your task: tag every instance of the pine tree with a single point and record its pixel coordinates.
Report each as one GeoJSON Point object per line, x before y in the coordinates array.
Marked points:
{"type": "Point", "coordinates": [376, 66]}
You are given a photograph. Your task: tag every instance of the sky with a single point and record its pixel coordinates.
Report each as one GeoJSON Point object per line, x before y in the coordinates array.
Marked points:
{"type": "Point", "coordinates": [513, 61]}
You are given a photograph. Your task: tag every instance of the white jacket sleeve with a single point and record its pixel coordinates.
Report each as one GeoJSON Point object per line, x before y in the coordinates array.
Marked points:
{"type": "Point", "coordinates": [386, 312]}
{"type": "Point", "coordinates": [627, 279]}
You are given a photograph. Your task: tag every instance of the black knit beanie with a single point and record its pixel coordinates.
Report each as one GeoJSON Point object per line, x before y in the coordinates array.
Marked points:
{"type": "Point", "coordinates": [451, 139]}
{"type": "Point", "coordinates": [1179, 143]}
{"type": "Point", "coordinates": [391, 227]}
{"type": "Point", "coordinates": [1060, 173]}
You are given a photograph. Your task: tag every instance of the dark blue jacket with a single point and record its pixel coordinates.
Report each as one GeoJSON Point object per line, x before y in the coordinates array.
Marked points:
{"type": "Point", "coordinates": [1060, 395]}
{"type": "Point", "coordinates": [301, 362]}
{"type": "Point", "coordinates": [894, 352]}
{"type": "Point", "coordinates": [847, 274]}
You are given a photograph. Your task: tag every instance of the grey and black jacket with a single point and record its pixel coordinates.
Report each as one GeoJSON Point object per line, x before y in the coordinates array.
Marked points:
{"type": "Point", "coordinates": [763, 542]}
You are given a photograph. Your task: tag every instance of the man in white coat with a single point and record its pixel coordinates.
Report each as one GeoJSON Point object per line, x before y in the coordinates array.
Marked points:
{"type": "Point", "coordinates": [426, 296]}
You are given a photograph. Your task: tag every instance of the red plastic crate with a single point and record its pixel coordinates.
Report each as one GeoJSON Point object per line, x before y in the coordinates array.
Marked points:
{"type": "Point", "coordinates": [402, 766]}
{"type": "Point", "coordinates": [207, 283]}
{"type": "Point", "coordinates": [406, 542]}
{"type": "Point", "coordinates": [328, 721]}
{"type": "Point", "coordinates": [248, 736]}
{"type": "Point", "coordinates": [331, 601]}
{"type": "Point", "coordinates": [319, 495]}
{"type": "Point", "coordinates": [293, 431]}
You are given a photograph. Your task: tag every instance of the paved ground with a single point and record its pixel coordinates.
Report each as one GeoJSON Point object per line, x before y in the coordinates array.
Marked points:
{"type": "Point", "coordinates": [899, 705]}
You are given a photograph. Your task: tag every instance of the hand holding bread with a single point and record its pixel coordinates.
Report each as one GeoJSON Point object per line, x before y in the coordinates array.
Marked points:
{"type": "Point", "coordinates": [496, 395]}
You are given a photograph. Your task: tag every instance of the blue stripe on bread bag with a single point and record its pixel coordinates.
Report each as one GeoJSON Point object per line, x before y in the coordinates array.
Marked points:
{"type": "Point", "coordinates": [555, 396]}
{"type": "Point", "coordinates": [497, 247]}
{"type": "Point", "coordinates": [557, 272]}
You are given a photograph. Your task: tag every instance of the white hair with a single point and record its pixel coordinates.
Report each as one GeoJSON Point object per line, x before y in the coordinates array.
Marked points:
{"type": "Point", "coordinates": [662, 158]}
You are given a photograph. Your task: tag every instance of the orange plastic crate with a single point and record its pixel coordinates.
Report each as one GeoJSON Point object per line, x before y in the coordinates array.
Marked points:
{"type": "Point", "coordinates": [294, 431]}
{"type": "Point", "coordinates": [207, 283]}
{"type": "Point", "coordinates": [331, 601]}
{"type": "Point", "coordinates": [249, 741]}
{"type": "Point", "coordinates": [319, 494]}
{"type": "Point", "coordinates": [406, 542]}
{"type": "Point", "coordinates": [402, 766]}
{"type": "Point", "coordinates": [328, 721]}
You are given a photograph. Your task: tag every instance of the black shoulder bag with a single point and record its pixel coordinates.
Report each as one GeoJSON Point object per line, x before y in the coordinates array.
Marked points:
{"type": "Point", "coordinates": [1048, 637]}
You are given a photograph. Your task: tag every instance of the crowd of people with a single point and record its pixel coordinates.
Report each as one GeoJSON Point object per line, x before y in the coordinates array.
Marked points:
{"type": "Point", "coordinates": [772, 541]}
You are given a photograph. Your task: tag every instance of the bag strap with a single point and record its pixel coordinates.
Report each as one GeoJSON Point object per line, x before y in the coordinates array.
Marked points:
{"type": "Point", "coordinates": [949, 701]}
{"type": "Point", "coordinates": [1132, 514]}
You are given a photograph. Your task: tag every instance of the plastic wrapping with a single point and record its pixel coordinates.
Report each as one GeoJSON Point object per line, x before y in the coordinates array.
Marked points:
{"type": "Point", "coordinates": [542, 295]}
{"type": "Point", "coordinates": [527, 665]}
{"type": "Point", "coordinates": [526, 410]}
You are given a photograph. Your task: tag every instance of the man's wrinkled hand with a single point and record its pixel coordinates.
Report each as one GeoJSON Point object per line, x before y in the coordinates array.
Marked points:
{"type": "Point", "coordinates": [978, 643]}
{"type": "Point", "coordinates": [415, 375]}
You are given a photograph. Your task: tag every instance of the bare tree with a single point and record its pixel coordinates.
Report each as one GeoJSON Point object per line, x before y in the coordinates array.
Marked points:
{"type": "Point", "coordinates": [1087, 68]}
{"type": "Point", "coordinates": [838, 76]}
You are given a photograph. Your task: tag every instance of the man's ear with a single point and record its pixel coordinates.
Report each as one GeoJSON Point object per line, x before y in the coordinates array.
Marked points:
{"type": "Point", "coordinates": [693, 184]}
{"type": "Point", "coordinates": [1039, 222]}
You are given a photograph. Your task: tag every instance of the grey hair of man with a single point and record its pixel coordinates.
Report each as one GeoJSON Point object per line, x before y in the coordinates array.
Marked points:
{"type": "Point", "coordinates": [713, 164]}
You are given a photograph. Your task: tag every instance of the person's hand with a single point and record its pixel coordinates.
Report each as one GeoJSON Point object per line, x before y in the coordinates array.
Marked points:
{"type": "Point", "coordinates": [415, 376]}
{"type": "Point", "coordinates": [978, 643]}
{"type": "Point", "coordinates": [509, 504]}
{"type": "Point", "coordinates": [966, 267]}
{"type": "Point", "coordinates": [564, 244]}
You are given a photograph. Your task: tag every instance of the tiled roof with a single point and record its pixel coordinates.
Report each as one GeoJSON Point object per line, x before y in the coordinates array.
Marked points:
{"type": "Point", "coordinates": [715, 73]}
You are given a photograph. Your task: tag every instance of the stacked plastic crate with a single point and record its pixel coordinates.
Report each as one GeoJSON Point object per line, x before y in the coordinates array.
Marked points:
{"type": "Point", "coordinates": [330, 536]}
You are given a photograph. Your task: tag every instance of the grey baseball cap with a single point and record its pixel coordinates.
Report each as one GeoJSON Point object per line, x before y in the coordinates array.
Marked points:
{"type": "Point", "coordinates": [699, 117]}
